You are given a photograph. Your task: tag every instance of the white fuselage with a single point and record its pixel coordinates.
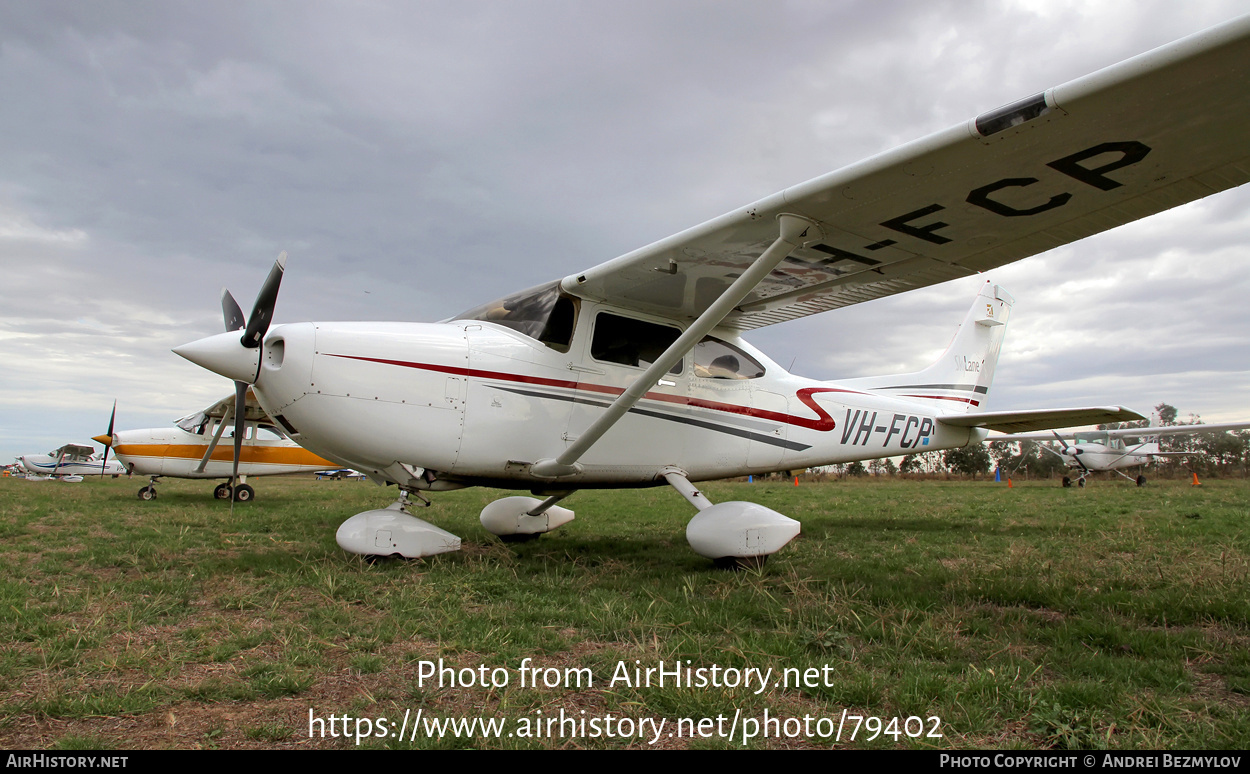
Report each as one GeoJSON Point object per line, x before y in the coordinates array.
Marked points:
{"type": "Point", "coordinates": [441, 405]}
{"type": "Point", "coordinates": [1097, 456]}
{"type": "Point", "coordinates": [52, 465]}
{"type": "Point", "coordinates": [172, 451]}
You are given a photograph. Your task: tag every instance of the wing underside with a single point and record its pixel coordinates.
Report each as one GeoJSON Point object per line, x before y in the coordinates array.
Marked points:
{"type": "Point", "coordinates": [1041, 419]}
{"type": "Point", "coordinates": [1140, 137]}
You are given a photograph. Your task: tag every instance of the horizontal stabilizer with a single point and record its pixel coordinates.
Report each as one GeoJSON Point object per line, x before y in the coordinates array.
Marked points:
{"type": "Point", "coordinates": [1042, 419]}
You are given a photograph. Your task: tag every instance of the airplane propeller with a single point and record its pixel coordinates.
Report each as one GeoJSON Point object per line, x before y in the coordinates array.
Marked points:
{"type": "Point", "coordinates": [109, 444]}
{"type": "Point", "coordinates": [238, 359]}
{"type": "Point", "coordinates": [1071, 451]}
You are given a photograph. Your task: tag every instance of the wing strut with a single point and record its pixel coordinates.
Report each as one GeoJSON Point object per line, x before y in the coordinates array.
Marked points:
{"type": "Point", "coordinates": [221, 428]}
{"type": "Point", "coordinates": [796, 231]}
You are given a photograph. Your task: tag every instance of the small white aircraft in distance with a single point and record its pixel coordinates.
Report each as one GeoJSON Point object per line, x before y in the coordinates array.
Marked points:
{"type": "Point", "coordinates": [188, 449]}
{"type": "Point", "coordinates": [633, 373]}
{"type": "Point", "coordinates": [341, 473]}
{"type": "Point", "coordinates": [1095, 450]}
{"type": "Point", "coordinates": [70, 463]}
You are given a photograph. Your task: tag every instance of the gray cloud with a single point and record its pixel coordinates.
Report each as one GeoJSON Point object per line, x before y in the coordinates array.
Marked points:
{"type": "Point", "coordinates": [417, 159]}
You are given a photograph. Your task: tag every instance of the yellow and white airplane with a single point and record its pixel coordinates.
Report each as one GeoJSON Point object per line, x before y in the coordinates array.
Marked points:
{"type": "Point", "coordinates": [634, 373]}
{"type": "Point", "coordinates": [1095, 450]}
{"type": "Point", "coordinates": [189, 449]}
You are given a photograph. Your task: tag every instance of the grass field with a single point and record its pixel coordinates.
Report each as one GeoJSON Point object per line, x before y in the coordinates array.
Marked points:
{"type": "Point", "coordinates": [1031, 617]}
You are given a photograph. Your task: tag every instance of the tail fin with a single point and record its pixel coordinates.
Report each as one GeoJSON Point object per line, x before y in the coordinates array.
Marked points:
{"type": "Point", "coordinates": [960, 380]}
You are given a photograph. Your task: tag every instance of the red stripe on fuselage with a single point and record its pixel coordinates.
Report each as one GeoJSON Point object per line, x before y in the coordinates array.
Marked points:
{"type": "Point", "coordinates": [944, 397]}
{"type": "Point", "coordinates": [823, 422]}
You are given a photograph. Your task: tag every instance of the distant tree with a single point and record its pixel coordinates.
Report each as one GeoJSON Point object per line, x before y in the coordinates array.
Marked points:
{"type": "Point", "coordinates": [1167, 414]}
{"type": "Point", "coordinates": [882, 467]}
{"type": "Point", "coordinates": [1001, 453]}
{"type": "Point", "coordinates": [1224, 449]}
{"type": "Point", "coordinates": [969, 460]}
{"type": "Point", "coordinates": [925, 462]}
{"type": "Point", "coordinates": [856, 469]}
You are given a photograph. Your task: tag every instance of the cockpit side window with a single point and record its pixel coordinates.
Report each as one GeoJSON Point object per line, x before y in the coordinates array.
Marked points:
{"type": "Point", "coordinates": [631, 342]}
{"type": "Point", "coordinates": [716, 359]}
{"type": "Point", "coordinates": [542, 313]}
{"type": "Point", "coordinates": [267, 433]}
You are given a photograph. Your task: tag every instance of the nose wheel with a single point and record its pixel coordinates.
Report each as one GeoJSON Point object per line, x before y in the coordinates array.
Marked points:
{"type": "Point", "coordinates": [149, 492]}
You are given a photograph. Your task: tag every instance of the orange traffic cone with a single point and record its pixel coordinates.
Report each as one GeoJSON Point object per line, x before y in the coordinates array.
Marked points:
{"type": "Point", "coordinates": [1196, 482]}
{"type": "Point", "coordinates": [796, 480]}
{"type": "Point", "coordinates": [1009, 482]}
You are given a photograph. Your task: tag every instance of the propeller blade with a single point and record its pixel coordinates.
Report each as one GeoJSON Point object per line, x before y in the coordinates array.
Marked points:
{"type": "Point", "coordinates": [108, 445]}
{"type": "Point", "coordinates": [231, 312]}
{"type": "Point", "coordinates": [1062, 443]}
{"type": "Point", "coordinates": [262, 311]}
{"type": "Point", "coordinates": [240, 417]}
{"type": "Point", "coordinates": [1074, 453]}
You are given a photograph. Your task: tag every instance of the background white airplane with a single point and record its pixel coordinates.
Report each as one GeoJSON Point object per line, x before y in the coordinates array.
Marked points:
{"type": "Point", "coordinates": [70, 463]}
{"type": "Point", "coordinates": [189, 449]}
{"type": "Point", "coordinates": [633, 373]}
{"type": "Point", "coordinates": [1114, 450]}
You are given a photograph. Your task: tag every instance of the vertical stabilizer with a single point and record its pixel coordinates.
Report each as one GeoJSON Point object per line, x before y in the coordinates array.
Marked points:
{"type": "Point", "coordinates": [960, 380]}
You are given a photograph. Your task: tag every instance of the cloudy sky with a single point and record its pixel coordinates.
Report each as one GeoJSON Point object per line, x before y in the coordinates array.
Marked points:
{"type": "Point", "coordinates": [420, 158]}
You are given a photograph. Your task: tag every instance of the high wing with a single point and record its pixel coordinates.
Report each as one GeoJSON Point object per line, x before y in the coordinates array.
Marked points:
{"type": "Point", "coordinates": [73, 451]}
{"type": "Point", "coordinates": [225, 408]}
{"type": "Point", "coordinates": [1123, 432]}
{"type": "Point", "coordinates": [1039, 419]}
{"type": "Point", "coordinates": [1134, 139]}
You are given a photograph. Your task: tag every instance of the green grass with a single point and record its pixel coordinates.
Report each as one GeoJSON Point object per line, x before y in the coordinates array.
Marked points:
{"type": "Point", "coordinates": [1031, 617]}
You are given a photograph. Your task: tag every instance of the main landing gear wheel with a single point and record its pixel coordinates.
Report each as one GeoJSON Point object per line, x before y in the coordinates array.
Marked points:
{"type": "Point", "coordinates": [222, 492]}
{"type": "Point", "coordinates": [243, 493]}
{"type": "Point", "coordinates": [1067, 481]}
{"type": "Point", "coordinates": [1080, 482]}
{"type": "Point", "coordinates": [1141, 480]}
{"type": "Point", "coordinates": [147, 493]}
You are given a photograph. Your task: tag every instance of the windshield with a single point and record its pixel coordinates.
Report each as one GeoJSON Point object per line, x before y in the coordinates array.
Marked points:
{"type": "Point", "coordinates": [541, 313]}
{"type": "Point", "coordinates": [194, 423]}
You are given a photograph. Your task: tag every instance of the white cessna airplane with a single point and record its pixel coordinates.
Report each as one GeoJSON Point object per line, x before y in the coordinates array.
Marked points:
{"type": "Point", "coordinates": [188, 449]}
{"type": "Point", "coordinates": [633, 373]}
{"type": "Point", "coordinates": [1095, 450]}
{"type": "Point", "coordinates": [70, 463]}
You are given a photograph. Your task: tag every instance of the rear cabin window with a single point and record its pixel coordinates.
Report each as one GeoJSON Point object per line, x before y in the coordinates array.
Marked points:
{"type": "Point", "coordinates": [541, 313]}
{"type": "Point", "coordinates": [716, 359]}
{"type": "Point", "coordinates": [631, 342]}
